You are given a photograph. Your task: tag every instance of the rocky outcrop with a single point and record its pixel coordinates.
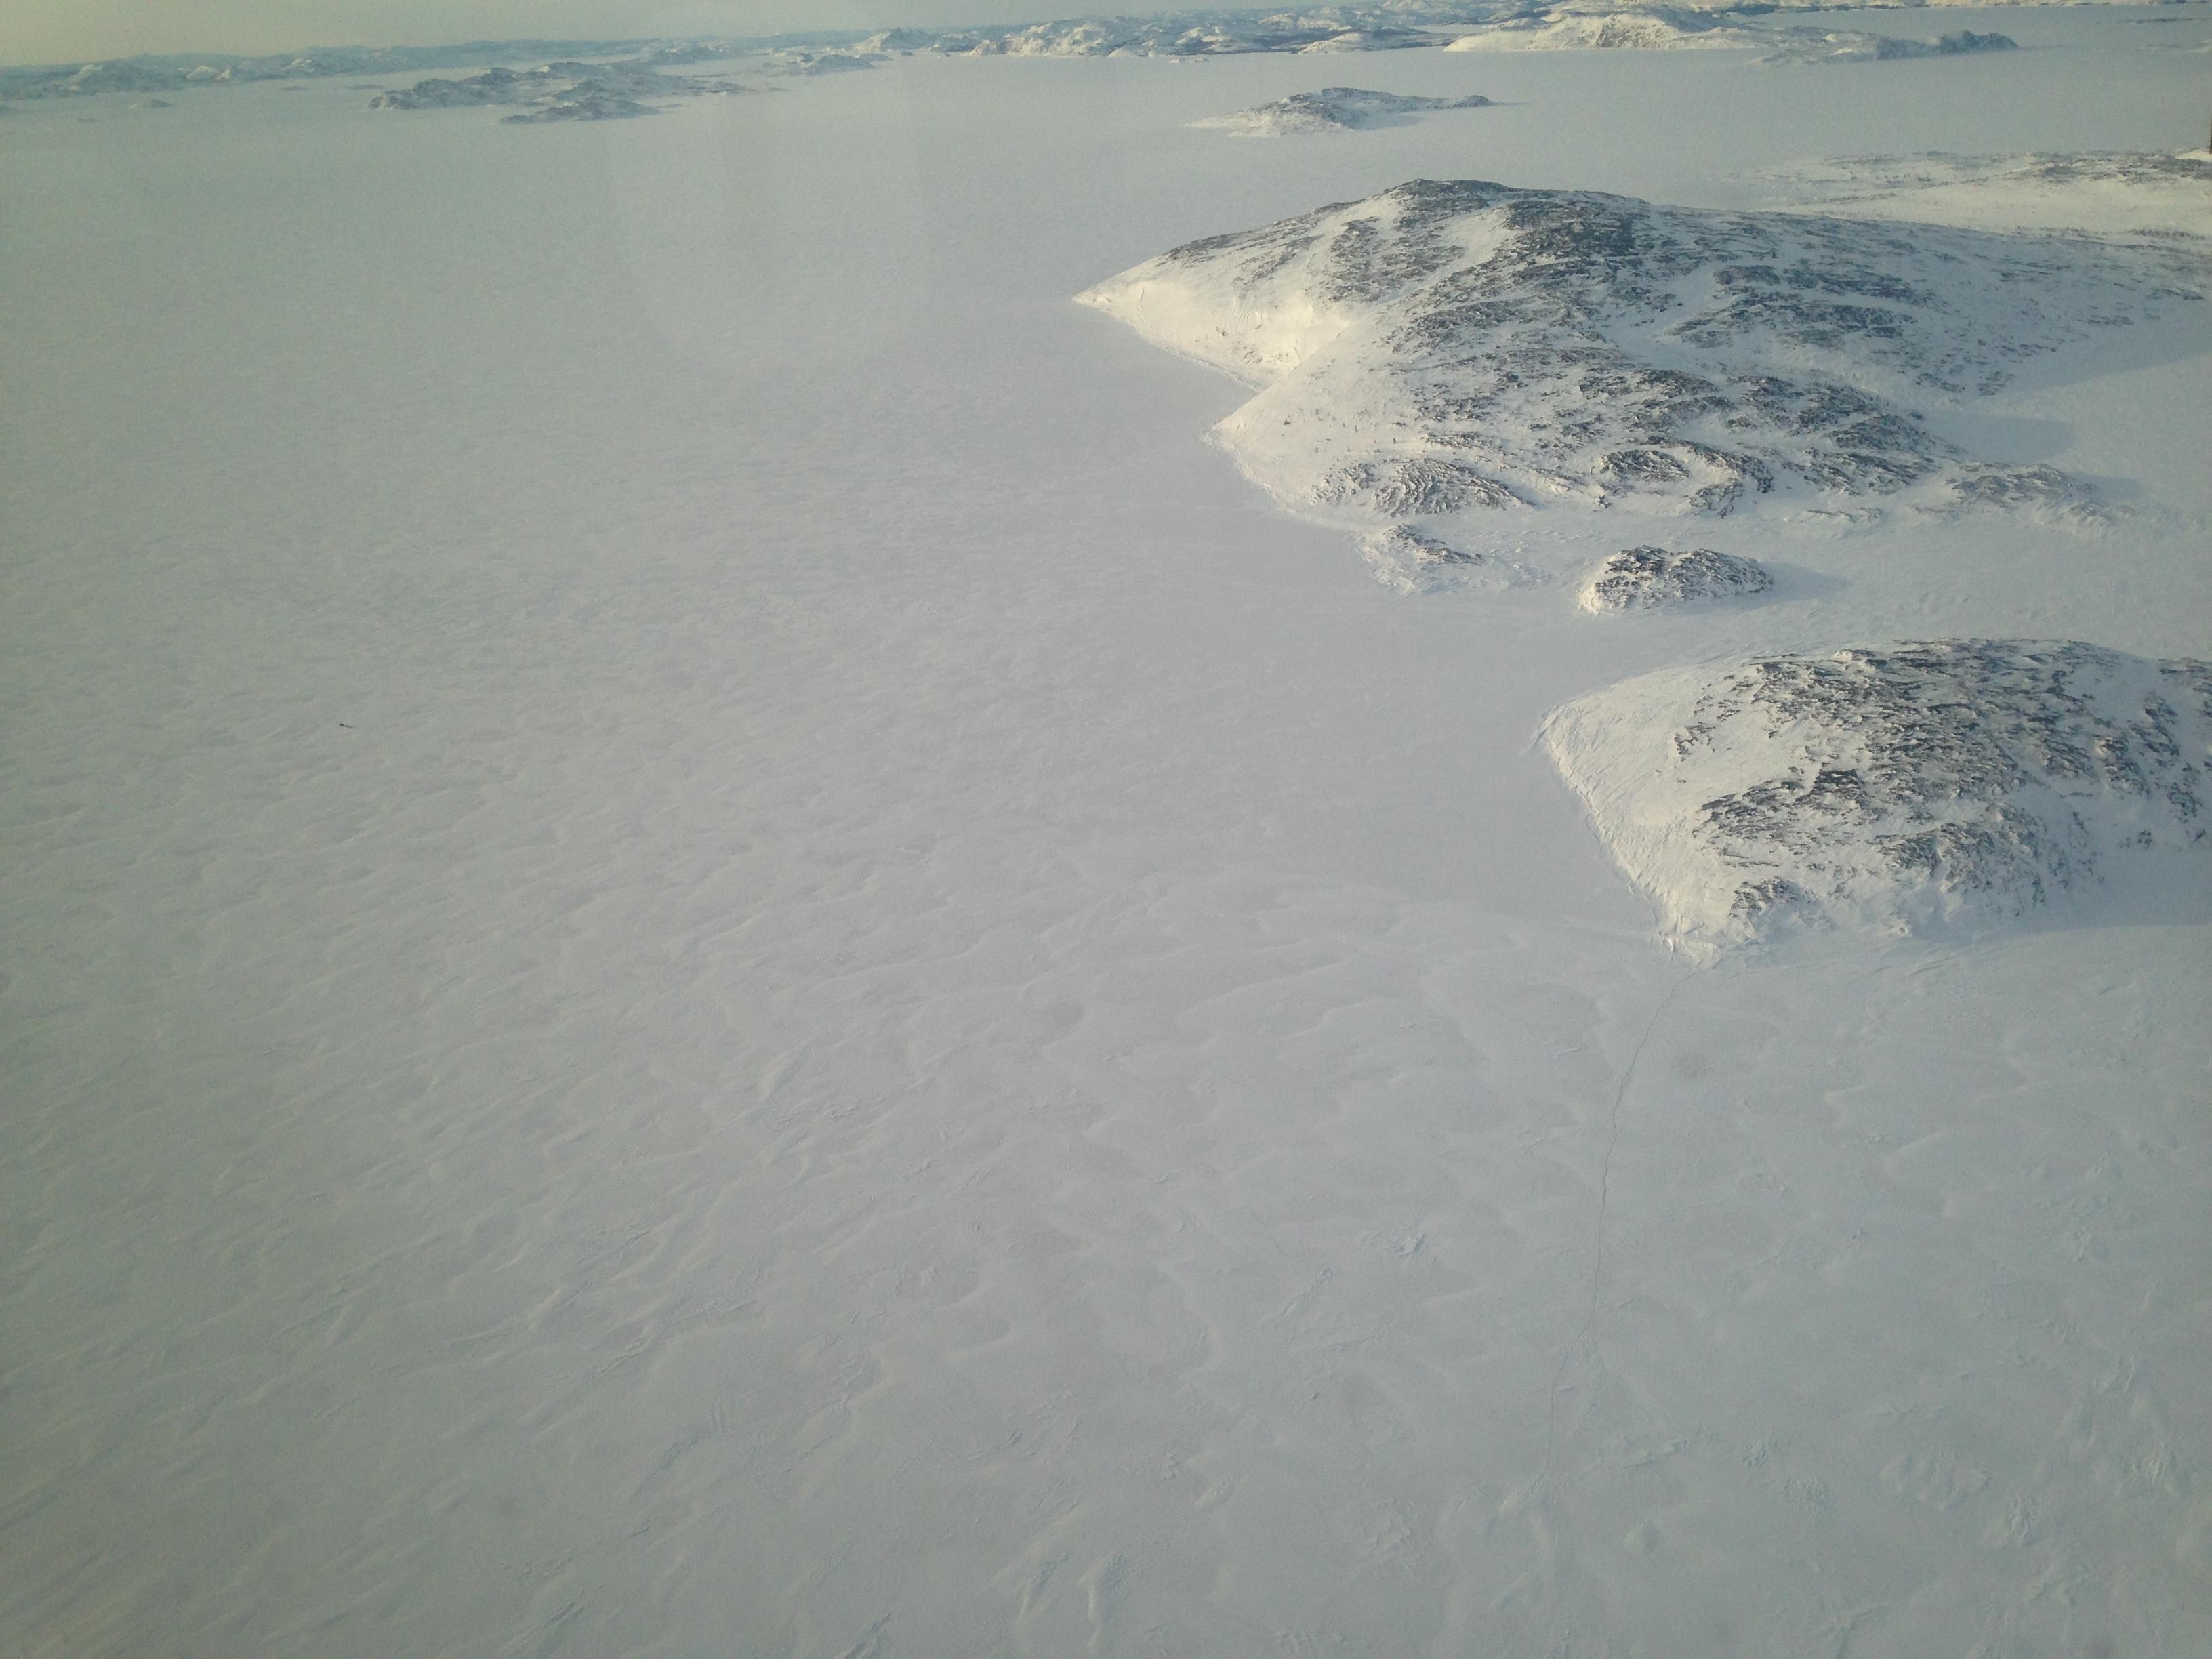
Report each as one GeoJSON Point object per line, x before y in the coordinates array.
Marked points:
{"type": "Point", "coordinates": [1657, 577]}
{"type": "Point", "coordinates": [1941, 786]}
{"type": "Point", "coordinates": [1410, 561]}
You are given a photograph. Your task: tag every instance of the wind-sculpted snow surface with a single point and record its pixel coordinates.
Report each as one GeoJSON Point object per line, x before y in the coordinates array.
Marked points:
{"type": "Point", "coordinates": [1658, 578]}
{"type": "Point", "coordinates": [1953, 784]}
{"type": "Point", "coordinates": [1333, 109]}
{"type": "Point", "coordinates": [1465, 347]}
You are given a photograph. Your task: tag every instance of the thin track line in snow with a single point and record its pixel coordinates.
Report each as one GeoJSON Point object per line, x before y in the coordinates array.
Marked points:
{"type": "Point", "coordinates": [1597, 1241]}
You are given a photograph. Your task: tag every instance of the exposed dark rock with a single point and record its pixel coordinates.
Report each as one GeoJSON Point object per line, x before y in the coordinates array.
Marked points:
{"type": "Point", "coordinates": [1333, 109]}
{"type": "Point", "coordinates": [1654, 578]}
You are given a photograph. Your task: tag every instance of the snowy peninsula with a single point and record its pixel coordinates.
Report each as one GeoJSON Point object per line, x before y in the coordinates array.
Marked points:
{"type": "Point", "coordinates": [1450, 348]}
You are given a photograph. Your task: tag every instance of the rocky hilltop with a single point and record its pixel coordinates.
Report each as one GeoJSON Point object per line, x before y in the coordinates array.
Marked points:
{"type": "Point", "coordinates": [1462, 347]}
{"type": "Point", "coordinates": [1936, 787]}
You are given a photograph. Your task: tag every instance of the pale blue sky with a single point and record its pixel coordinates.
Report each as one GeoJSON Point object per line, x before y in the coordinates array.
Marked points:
{"type": "Point", "coordinates": [61, 31]}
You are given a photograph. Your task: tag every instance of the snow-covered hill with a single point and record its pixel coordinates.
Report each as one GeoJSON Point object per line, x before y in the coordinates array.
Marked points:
{"type": "Point", "coordinates": [1946, 785]}
{"type": "Point", "coordinates": [1462, 347]}
{"type": "Point", "coordinates": [1333, 109]}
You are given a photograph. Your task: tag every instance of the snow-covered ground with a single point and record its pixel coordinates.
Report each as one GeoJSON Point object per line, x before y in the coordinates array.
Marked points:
{"type": "Point", "coordinates": [713, 948]}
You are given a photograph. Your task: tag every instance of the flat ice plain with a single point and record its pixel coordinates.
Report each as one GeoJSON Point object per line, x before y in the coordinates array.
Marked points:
{"type": "Point", "coordinates": [711, 948]}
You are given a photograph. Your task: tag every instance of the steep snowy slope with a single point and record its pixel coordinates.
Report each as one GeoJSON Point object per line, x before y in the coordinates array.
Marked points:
{"type": "Point", "coordinates": [1455, 347]}
{"type": "Point", "coordinates": [1946, 785]}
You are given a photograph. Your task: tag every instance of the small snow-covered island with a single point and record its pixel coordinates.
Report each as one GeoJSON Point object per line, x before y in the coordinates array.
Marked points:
{"type": "Point", "coordinates": [1333, 109]}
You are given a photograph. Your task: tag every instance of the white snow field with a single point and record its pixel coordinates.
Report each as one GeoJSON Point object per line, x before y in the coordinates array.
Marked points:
{"type": "Point", "coordinates": [711, 948]}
